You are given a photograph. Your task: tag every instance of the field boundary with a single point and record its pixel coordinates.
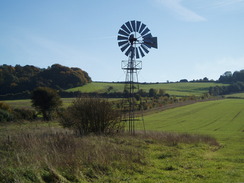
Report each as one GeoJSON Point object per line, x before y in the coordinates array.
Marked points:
{"type": "Point", "coordinates": [174, 105]}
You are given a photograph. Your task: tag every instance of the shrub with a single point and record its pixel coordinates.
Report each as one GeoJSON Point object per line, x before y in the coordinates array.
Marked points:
{"type": "Point", "coordinates": [24, 114]}
{"type": "Point", "coordinates": [5, 112]}
{"type": "Point", "coordinates": [4, 106]}
{"type": "Point", "coordinates": [91, 115]}
{"type": "Point", "coordinates": [5, 116]}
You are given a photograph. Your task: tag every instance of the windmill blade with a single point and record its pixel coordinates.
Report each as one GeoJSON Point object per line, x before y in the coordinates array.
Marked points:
{"type": "Point", "coordinates": [145, 32]}
{"type": "Point", "coordinates": [123, 33]}
{"type": "Point", "coordinates": [142, 27]}
{"type": "Point", "coordinates": [147, 45]}
{"type": "Point", "coordinates": [129, 26]}
{"type": "Point", "coordinates": [128, 51]}
{"type": "Point", "coordinates": [141, 52]}
{"type": "Point", "coordinates": [137, 53]}
{"type": "Point", "coordinates": [122, 43]}
{"type": "Point", "coordinates": [147, 36]}
{"type": "Point", "coordinates": [123, 48]}
{"type": "Point", "coordinates": [124, 28]}
{"type": "Point", "coordinates": [133, 23]}
{"type": "Point", "coordinates": [138, 24]}
{"type": "Point", "coordinates": [122, 38]}
{"type": "Point", "coordinates": [145, 48]}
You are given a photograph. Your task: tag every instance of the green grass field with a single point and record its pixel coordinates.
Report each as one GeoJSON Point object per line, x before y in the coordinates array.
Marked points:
{"type": "Point", "coordinates": [222, 119]}
{"type": "Point", "coordinates": [26, 103]}
{"type": "Point", "coordinates": [178, 89]}
{"type": "Point", "coordinates": [235, 95]}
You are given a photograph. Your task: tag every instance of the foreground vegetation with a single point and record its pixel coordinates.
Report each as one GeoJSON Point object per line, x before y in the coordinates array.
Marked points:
{"type": "Point", "coordinates": [38, 153]}
{"type": "Point", "coordinates": [45, 152]}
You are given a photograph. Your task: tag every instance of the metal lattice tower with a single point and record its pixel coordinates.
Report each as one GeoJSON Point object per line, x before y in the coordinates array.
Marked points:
{"type": "Point", "coordinates": [131, 67]}
{"type": "Point", "coordinates": [135, 40]}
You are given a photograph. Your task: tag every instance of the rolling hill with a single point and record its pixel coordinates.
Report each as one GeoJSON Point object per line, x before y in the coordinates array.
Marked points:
{"type": "Point", "coordinates": [177, 89]}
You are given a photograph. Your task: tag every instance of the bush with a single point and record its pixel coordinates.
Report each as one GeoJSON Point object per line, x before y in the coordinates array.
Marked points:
{"type": "Point", "coordinates": [91, 115]}
{"type": "Point", "coordinates": [24, 114]}
{"type": "Point", "coordinates": [5, 112]}
{"type": "Point", "coordinates": [5, 116]}
{"type": "Point", "coordinates": [4, 106]}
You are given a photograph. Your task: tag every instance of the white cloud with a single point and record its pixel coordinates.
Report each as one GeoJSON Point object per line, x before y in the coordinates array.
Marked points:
{"type": "Point", "coordinates": [182, 11]}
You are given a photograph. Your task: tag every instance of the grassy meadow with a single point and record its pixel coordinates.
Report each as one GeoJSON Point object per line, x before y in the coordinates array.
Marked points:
{"type": "Point", "coordinates": [178, 146]}
{"type": "Point", "coordinates": [236, 95]}
{"type": "Point", "coordinates": [177, 89]}
{"type": "Point", "coordinates": [26, 103]}
{"type": "Point", "coordinates": [201, 142]}
{"type": "Point", "coordinates": [222, 119]}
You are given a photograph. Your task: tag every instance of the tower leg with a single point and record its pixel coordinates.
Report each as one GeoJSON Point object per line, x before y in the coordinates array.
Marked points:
{"type": "Point", "coordinates": [131, 67]}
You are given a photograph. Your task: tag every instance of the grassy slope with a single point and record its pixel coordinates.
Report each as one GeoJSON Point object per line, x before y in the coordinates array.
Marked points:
{"type": "Point", "coordinates": [179, 89]}
{"type": "Point", "coordinates": [236, 95]}
{"type": "Point", "coordinates": [26, 103]}
{"type": "Point", "coordinates": [222, 119]}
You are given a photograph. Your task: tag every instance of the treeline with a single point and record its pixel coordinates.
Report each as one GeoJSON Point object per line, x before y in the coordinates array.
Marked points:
{"type": "Point", "coordinates": [19, 80]}
{"type": "Point", "coordinates": [228, 77]}
{"type": "Point", "coordinates": [204, 80]}
{"type": "Point", "coordinates": [224, 90]}
{"type": "Point", "coordinates": [236, 81]}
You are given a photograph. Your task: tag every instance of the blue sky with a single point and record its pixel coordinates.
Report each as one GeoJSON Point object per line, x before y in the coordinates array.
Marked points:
{"type": "Point", "coordinates": [196, 38]}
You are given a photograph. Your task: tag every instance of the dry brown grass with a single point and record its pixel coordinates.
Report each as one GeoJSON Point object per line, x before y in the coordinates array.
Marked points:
{"type": "Point", "coordinates": [58, 155]}
{"type": "Point", "coordinates": [176, 138]}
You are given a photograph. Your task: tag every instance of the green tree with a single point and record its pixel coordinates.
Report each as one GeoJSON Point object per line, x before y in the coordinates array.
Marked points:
{"type": "Point", "coordinates": [152, 92]}
{"type": "Point", "coordinates": [46, 101]}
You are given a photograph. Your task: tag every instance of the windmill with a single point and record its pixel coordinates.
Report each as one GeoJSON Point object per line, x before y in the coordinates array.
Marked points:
{"type": "Point", "coordinates": [135, 40]}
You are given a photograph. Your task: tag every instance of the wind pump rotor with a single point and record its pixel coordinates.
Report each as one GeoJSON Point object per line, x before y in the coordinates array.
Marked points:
{"type": "Point", "coordinates": [135, 39]}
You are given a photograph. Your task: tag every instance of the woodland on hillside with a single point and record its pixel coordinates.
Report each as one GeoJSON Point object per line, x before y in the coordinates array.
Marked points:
{"type": "Point", "coordinates": [19, 79]}
{"type": "Point", "coordinates": [235, 81]}
{"type": "Point", "coordinates": [228, 77]}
